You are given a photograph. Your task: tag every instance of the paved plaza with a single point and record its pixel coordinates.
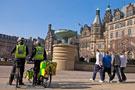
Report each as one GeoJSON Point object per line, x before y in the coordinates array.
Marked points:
{"type": "Point", "coordinates": [69, 80]}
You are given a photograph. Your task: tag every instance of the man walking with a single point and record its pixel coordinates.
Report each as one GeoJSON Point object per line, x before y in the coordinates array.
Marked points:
{"type": "Point", "coordinates": [39, 54]}
{"type": "Point", "coordinates": [107, 65]}
{"type": "Point", "coordinates": [20, 51]}
{"type": "Point", "coordinates": [98, 66]}
{"type": "Point", "coordinates": [116, 64]}
{"type": "Point", "coordinates": [123, 66]}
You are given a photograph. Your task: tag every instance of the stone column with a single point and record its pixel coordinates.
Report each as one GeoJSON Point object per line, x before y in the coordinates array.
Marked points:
{"type": "Point", "coordinates": [64, 55]}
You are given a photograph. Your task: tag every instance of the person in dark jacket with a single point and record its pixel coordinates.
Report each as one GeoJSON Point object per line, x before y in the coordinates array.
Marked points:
{"type": "Point", "coordinates": [38, 54]}
{"type": "Point", "coordinates": [116, 64]}
{"type": "Point", "coordinates": [107, 65]}
{"type": "Point", "coordinates": [20, 51]}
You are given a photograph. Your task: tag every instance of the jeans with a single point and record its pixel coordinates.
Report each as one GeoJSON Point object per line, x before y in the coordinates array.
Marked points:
{"type": "Point", "coordinates": [116, 70]}
{"type": "Point", "coordinates": [22, 66]}
{"type": "Point", "coordinates": [97, 69]}
{"type": "Point", "coordinates": [108, 70]}
{"type": "Point", "coordinates": [122, 73]}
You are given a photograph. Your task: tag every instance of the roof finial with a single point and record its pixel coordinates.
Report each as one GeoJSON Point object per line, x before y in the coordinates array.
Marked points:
{"type": "Point", "coordinates": [97, 19]}
{"type": "Point", "coordinates": [109, 5]}
{"type": "Point", "coordinates": [108, 8]}
{"type": "Point", "coordinates": [97, 11]}
{"type": "Point", "coordinates": [49, 27]}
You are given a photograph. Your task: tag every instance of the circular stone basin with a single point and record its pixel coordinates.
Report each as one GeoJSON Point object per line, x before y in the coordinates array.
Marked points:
{"type": "Point", "coordinates": [65, 34]}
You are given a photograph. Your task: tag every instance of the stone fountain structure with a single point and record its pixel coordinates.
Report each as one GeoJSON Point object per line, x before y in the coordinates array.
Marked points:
{"type": "Point", "coordinates": [64, 54]}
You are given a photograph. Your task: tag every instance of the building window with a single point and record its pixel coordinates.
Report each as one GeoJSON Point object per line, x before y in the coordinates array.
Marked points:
{"type": "Point", "coordinates": [129, 31]}
{"type": "Point", "coordinates": [92, 30]}
{"type": "Point", "coordinates": [97, 36]}
{"type": "Point", "coordinates": [130, 13]}
{"type": "Point", "coordinates": [86, 44]}
{"type": "Point", "coordinates": [117, 17]}
{"type": "Point", "coordinates": [129, 22]}
{"type": "Point", "coordinates": [111, 36]}
{"type": "Point", "coordinates": [117, 34]}
{"type": "Point", "coordinates": [117, 25]}
{"type": "Point", "coordinates": [111, 27]}
{"type": "Point", "coordinates": [123, 32]}
{"type": "Point", "coordinates": [99, 46]}
{"type": "Point", "coordinates": [85, 33]}
{"type": "Point", "coordinates": [96, 29]}
{"type": "Point", "coordinates": [123, 24]}
{"type": "Point", "coordinates": [91, 47]}
{"type": "Point", "coordinates": [111, 46]}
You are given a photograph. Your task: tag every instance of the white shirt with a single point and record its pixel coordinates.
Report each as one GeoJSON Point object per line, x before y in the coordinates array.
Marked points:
{"type": "Point", "coordinates": [123, 61]}
{"type": "Point", "coordinates": [99, 59]}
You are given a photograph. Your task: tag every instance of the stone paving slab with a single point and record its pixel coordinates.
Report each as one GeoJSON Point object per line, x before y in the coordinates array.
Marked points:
{"type": "Point", "coordinates": [69, 80]}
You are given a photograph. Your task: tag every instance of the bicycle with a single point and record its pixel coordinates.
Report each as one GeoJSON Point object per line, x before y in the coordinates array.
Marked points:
{"type": "Point", "coordinates": [17, 73]}
{"type": "Point", "coordinates": [44, 79]}
{"type": "Point", "coordinates": [47, 79]}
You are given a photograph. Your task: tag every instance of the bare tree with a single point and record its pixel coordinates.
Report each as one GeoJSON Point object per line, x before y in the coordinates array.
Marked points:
{"type": "Point", "coordinates": [126, 43]}
{"type": "Point", "coordinates": [86, 53]}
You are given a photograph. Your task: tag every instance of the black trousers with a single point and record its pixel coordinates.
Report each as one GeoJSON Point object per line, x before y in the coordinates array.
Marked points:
{"type": "Point", "coordinates": [22, 67]}
{"type": "Point", "coordinates": [36, 70]}
{"type": "Point", "coordinates": [116, 70]}
{"type": "Point", "coordinates": [122, 73]}
{"type": "Point", "coordinates": [108, 70]}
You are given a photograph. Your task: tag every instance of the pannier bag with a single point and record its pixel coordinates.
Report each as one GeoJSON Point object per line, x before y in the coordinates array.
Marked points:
{"type": "Point", "coordinates": [53, 65]}
{"type": "Point", "coordinates": [29, 73]}
{"type": "Point", "coordinates": [45, 66]}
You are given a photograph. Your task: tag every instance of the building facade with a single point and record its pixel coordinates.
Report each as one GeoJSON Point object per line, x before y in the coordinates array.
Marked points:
{"type": "Point", "coordinates": [120, 33]}
{"type": "Point", "coordinates": [115, 32]}
{"type": "Point", "coordinates": [7, 43]}
{"type": "Point", "coordinates": [92, 38]}
{"type": "Point", "coordinates": [52, 39]}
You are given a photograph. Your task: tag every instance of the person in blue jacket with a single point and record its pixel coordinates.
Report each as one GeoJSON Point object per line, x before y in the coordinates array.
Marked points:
{"type": "Point", "coordinates": [107, 65]}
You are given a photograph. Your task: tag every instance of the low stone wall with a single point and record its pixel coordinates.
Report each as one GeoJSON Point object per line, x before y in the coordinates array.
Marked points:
{"type": "Point", "coordinates": [90, 67]}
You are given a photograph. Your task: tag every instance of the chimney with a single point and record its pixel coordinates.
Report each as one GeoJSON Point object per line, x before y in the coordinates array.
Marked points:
{"type": "Point", "coordinates": [49, 27]}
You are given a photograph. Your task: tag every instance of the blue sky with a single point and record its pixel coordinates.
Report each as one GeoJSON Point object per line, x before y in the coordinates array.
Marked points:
{"type": "Point", "coordinates": [30, 18]}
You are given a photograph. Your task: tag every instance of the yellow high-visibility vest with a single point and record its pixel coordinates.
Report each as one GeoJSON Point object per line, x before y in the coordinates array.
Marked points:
{"type": "Point", "coordinates": [39, 53]}
{"type": "Point", "coordinates": [20, 51]}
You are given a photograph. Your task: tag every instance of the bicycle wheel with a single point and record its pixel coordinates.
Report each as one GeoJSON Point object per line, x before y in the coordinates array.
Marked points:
{"type": "Point", "coordinates": [47, 81]}
{"type": "Point", "coordinates": [17, 77]}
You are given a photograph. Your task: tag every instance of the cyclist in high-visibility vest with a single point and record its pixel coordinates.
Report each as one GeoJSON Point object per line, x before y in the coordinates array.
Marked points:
{"type": "Point", "coordinates": [20, 51]}
{"type": "Point", "coordinates": [38, 55]}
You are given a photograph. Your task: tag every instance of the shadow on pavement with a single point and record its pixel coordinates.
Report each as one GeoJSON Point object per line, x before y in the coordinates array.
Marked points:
{"type": "Point", "coordinates": [72, 85]}
{"type": "Point", "coordinates": [127, 82]}
{"type": "Point", "coordinates": [54, 85]}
